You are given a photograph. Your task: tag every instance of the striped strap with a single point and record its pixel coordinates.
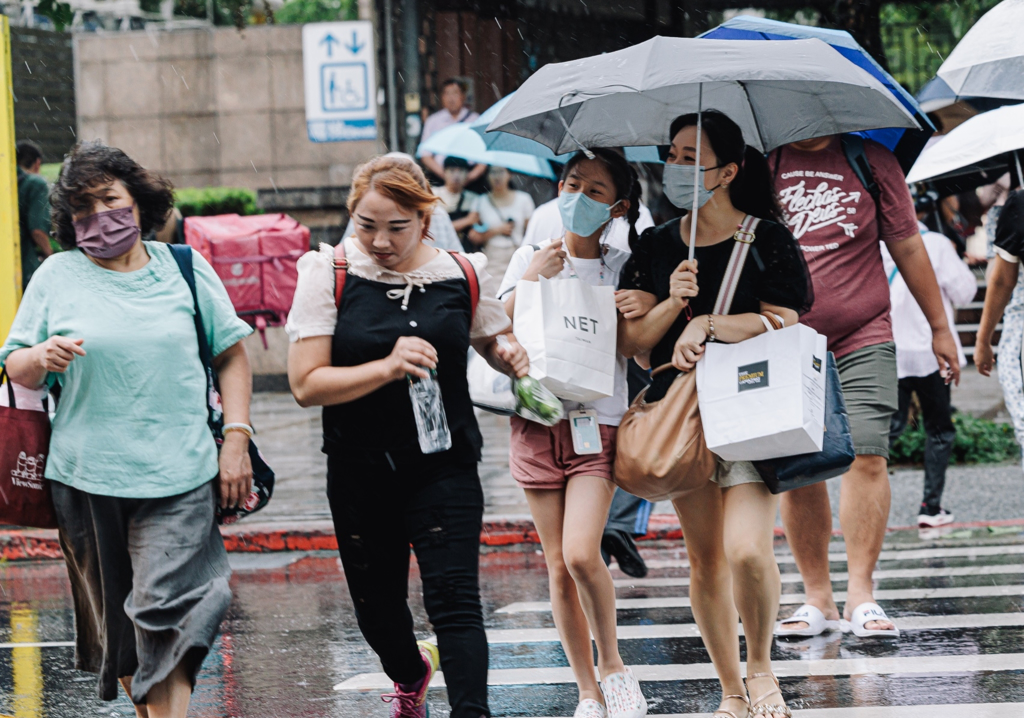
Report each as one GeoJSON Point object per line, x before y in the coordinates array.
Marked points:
{"type": "Point", "coordinates": [744, 238]}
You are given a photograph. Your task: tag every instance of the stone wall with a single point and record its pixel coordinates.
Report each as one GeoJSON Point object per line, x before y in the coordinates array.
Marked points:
{"type": "Point", "coordinates": [208, 107]}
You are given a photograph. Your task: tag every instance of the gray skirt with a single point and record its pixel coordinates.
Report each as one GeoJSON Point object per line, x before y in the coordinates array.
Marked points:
{"type": "Point", "coordinates": [149, 579]}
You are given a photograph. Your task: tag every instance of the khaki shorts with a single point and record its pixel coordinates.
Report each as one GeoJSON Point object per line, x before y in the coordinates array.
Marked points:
{"type": "Point", "coordinates": [871, 391]}
{"type": "Point", "coordinates": [734, 473]}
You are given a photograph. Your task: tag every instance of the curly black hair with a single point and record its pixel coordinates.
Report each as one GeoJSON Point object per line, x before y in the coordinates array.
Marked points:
{"type": "Point", "coordinates": [93, 164]}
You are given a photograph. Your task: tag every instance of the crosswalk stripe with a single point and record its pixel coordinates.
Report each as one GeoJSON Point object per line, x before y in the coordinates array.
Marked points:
{"type": "Point", "coordinates": [794, 598]}
{"type": "Point", "coordinates": [706, 671]}
{"type": "Point", "coordinates": [43, 644]}
{"type": "Point", "coordinates": [891, 555]}
{"type": "Point", "coordinates": [959, 710]}
{"type": "Point", "coordinates": [996, 570]}
{"type": "Point", "coordinates": [689, 630]}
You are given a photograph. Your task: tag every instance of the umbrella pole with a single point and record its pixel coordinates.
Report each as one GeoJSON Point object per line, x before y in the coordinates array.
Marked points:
{"type": "Point", "coordinates": [1020, 175]}
{"type": "Point", "coordinates": [696, 172]}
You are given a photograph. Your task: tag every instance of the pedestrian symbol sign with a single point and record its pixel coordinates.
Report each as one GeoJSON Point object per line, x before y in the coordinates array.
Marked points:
{"type": "Point", "coordinates": [340, 81]}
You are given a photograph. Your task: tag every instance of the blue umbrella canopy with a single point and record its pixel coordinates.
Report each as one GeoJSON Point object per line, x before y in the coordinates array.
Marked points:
{"type": "Point", "coordinates": [906, 144]}
{"type": "Point", "coordinates": [460, 140]}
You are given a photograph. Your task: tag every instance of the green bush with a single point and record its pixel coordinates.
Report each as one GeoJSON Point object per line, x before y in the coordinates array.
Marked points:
{"type": "Point", "coordinates": [978, 441]}
{"type": "Point", "coordinates": [207, 201]}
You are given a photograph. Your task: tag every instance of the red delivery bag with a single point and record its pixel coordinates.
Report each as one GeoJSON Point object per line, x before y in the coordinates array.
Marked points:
{"type": "Point", "coordinates": [254, 256]}
{"type": "Point", "coordinates": [283, 243]}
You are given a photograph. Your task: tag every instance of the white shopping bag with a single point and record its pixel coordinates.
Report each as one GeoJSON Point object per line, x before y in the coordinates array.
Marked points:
{"type": "Point", "coordinates": [489, 389]}
{"type": "Point", "coordinates": [764, 398]}
{"type": "Point", "coordinates": [568, 328]}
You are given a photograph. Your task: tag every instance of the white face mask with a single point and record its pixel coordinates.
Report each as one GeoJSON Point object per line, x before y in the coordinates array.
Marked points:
{"type": "Point", "coordinates": [678, 185]}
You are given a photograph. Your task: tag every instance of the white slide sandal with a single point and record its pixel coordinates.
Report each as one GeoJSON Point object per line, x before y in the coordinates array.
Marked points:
{"type": "Point", "coordinates": [813, 617]}
{"type": "Point", "coordinates": [865, 613]}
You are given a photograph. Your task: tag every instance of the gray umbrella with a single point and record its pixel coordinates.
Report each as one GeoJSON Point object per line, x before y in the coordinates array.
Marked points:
{"type": "Point", "coordinates": [989, 60]}
{"type": "Point", "coordinates": [777, 92]}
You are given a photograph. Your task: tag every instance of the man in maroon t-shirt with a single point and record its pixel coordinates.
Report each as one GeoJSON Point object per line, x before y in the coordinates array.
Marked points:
{"type": "Point", "coordinates": [839, 225]}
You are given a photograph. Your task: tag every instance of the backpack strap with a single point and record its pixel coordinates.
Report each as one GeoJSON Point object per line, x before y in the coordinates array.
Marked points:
{"type": "Point", "coordinates": [474, 282]}
{"type": "Point", "coordinates": [340, 265]}
{"type": "Point", "coordinates": [744, 237]}
{"type": "Point", "coordinates": [853, 148]}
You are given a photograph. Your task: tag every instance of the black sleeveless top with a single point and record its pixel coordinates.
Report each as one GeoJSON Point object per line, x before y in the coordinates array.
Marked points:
{"type": "Point", "coordinates": [369, 324]}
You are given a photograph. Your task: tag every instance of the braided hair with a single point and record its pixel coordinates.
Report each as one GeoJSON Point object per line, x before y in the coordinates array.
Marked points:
{"type": "Point", "coordinates": [624, 177]}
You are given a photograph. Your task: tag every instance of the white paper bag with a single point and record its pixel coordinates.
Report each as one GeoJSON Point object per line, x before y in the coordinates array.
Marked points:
{"type": "Point", "coordinates": [764, 398]}
{"type": "Point", "coordinates": [568, 328]}
{"type": "Point", "coordinates": [489, 389]}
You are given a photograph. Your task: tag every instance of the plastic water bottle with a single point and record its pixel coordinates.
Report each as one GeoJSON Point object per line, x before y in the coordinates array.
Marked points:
{"type": "Point", "coordinates": [427, 407]}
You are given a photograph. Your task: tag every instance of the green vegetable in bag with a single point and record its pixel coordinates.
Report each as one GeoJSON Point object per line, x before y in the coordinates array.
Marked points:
{"type": "Point", "coordinates": [535, 402]}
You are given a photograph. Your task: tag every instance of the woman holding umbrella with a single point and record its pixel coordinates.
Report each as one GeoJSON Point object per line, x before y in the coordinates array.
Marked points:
{"type": "Point", "coordinates": [728, 525]}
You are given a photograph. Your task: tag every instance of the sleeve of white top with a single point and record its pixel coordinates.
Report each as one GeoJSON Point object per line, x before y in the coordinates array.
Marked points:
{"type": "Point", "coordinates": [1000, 252]}
{"type": "Point", "coordinates": [955, 278]}
{"type": "Point", "coordinates": [313, 313]}
{"type": "Point", "coordinates": [516, 269]}
{"type": "Point", "coordinates": [490, 318]}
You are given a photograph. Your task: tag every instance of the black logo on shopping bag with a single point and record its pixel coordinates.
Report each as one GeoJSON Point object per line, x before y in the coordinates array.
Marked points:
{"type": "Point", "coordinates": [816, 363]}
{"type": "Point", "coordinates": [753, 376]}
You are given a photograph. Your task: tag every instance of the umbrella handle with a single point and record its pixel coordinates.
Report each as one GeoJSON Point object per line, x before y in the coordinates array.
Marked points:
{"type": "Point", "coordinates": [1020, 175]}
{"type": "Point", "coordinates": [696, 172]}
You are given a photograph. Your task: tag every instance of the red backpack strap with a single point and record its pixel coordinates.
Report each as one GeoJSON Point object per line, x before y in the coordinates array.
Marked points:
{"type": "Point", "coordinates": [340, 265]}
{"type": "Point", "coordinates": [474, 282]}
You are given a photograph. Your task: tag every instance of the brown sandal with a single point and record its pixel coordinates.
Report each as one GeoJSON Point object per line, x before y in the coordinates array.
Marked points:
{"type": "Point", "coordinates": [767, 709]}
{"type": "Point", "coordinates": [730, 714]}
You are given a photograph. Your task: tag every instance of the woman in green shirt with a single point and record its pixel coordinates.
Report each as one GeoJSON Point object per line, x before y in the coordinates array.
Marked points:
{"type": "Point", "coordinates": [134, 468]}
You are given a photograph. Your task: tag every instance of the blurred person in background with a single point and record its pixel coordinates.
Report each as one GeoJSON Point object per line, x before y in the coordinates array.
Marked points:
{"type": "Point", "coordinates": [453, 111]}
{"type": "Point", "coordinates": [504, 215]}
{"type": "Point", "coordinates": [460, 204]}
{"type": "Point", "coordinates": [33, 209]}
{"type": "Point", "coordinates": [1003, 300]}
{"type": "Point", "coordinates": [916, 366]}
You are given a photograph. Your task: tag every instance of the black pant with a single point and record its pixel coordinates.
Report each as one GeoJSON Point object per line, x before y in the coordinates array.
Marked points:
{"type": "Point", "coordinates": [379, 509]}
{"type": "Point", "coordinates": [933, 395]}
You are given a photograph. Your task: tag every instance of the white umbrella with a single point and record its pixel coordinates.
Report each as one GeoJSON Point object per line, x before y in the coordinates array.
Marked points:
{"type": "Point", "coordinates": [777, 92]}
{"type": "Point", "coordinates": [989, 60]}
{"type": "Point", "coordinates": [990, 141]}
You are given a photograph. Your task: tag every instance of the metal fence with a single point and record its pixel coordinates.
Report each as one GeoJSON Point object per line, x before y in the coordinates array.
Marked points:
{"type": "Point", "coordinates": [915, 53]}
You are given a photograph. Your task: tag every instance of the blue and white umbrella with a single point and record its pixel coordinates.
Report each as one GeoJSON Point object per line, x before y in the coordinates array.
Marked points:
{"type": "Point", "coordinates": [906, 144]}
{"type": "Point", "coordinates": [460, 140]}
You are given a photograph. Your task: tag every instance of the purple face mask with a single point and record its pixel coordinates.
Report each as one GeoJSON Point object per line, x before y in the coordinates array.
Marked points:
{"type": "Point", "coordinates": [106, 235]}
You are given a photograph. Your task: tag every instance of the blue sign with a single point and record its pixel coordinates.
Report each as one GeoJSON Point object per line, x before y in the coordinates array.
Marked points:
{"type": "Point", "coordinates": [340, 81]}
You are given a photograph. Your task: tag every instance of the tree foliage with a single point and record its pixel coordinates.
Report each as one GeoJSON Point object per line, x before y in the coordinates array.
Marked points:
{"type": "Point", "coordinates": [302, 11]}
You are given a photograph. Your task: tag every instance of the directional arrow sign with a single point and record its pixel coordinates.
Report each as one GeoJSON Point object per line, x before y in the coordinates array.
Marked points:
{"type": "Point", "coordinates": [354, 47]}
{"type": "Point", "coordinates": [330, 40]}
{"type": "Point", "coordinates": [341, 89]}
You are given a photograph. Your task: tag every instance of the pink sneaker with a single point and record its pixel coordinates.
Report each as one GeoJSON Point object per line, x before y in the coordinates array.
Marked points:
{"type": "Point", "coordinates": [413, 704]}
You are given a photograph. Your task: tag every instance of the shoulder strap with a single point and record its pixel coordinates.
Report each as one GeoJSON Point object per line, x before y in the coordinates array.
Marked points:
{"type": "Point", "coordinates": [744, 238]}
{"type": "Point", "coordinates": [853, 148]}
{"type": "Point", "coordinates": [474, 282]}
{"type": "Point", "coordinates": [340, 265]}
{"type": "Point", "coordinates": [182, 254]}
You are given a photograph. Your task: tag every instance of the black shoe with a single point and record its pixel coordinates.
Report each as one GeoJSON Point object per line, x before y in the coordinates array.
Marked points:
{"type": "Point", "coordinates": [621, 545]}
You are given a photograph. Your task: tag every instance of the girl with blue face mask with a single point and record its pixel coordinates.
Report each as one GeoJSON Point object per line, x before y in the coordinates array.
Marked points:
{"type": "Point", "coordinates": [728, 525]}
{"type": "Point", "coordinates": [569, 494]}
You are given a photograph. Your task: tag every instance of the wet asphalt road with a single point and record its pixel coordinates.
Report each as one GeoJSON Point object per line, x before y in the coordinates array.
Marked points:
{"type": "Point", "coordinates": [290, 646]}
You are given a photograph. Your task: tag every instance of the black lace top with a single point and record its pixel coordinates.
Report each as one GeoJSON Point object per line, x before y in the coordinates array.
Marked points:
{"type": "Point", "coordinates": [775, 272]}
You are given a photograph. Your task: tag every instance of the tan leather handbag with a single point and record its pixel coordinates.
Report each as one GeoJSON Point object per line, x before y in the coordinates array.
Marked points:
{"type": "Point", "coordinates": [660, 449]}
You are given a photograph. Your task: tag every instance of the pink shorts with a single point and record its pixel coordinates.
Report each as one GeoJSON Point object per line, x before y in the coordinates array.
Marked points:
{"type": "Point", "coordinates": [542, 457]}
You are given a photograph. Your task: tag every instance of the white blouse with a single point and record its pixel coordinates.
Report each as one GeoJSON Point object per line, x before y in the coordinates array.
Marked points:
{"type": "Point", "coordinates": [314, 314]}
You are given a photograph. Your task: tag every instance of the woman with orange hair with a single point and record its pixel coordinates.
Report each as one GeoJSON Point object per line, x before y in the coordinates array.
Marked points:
{"type": "Point", "coordinates": [370, 318]}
